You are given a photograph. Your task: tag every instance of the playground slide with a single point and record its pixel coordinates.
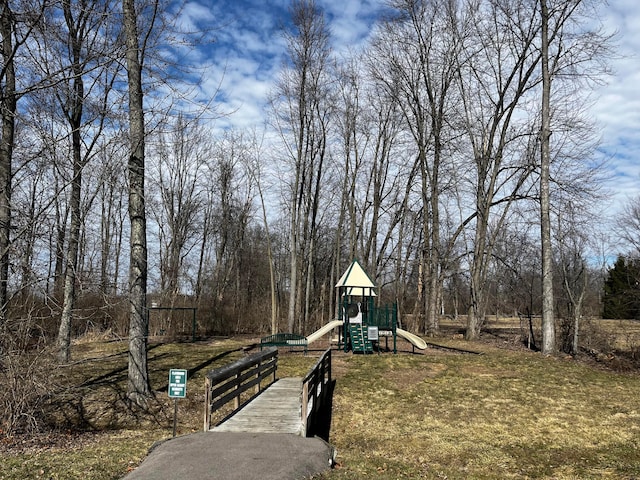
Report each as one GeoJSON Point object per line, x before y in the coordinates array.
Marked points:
{"type": "Point", "coordinates": [326, 329]}
{"type": "Point", "coordinates": [414, 339]}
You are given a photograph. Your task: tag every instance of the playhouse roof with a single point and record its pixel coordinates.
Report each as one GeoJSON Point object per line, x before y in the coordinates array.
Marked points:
{"type": "Point", "coordinates": [355, 276]}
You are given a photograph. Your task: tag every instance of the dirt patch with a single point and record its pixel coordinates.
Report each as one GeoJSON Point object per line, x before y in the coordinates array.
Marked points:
{"type": "Point", "coordinates": [339, 367]}
{"type": "Point", "coordinates": [483, 371]}
{"type": "Point", "coordinates": [407, 378]}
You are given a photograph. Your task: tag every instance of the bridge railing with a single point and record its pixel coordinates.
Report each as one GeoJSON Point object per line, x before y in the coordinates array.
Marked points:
{"type": "Point", "coordinates": [228, 383]}
{"type": "Point", "coordinates": [316, 391]}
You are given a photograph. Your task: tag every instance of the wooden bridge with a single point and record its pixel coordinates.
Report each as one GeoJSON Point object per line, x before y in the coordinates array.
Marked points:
{"type": "Point", "coordinates": [261, 402]}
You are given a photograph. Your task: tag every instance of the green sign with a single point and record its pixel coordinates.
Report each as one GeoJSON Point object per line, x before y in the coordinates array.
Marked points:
{"type": "Point", "coordinates": [177, 383]}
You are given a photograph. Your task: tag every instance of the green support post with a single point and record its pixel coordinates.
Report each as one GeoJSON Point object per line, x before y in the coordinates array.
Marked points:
{"type": "Point", "coordinates": [394, 326]}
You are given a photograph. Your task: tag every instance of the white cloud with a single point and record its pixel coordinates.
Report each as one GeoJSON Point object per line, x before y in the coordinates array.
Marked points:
{"type": "Point", "coordinates": [250, 49]}
{"type": "Point", "coordinates": [617, 109]}
{"type": "Point", "coordinates": [350, 21]}
{"type": "Point", "coordinates": [245, 57]}
{"type": "Point", "coordinates": [194, 14]}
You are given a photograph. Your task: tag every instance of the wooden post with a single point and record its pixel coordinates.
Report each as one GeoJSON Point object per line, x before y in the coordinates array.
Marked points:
{"type": "Point", "coordinates": [175, 416]}
{"type": "Point", "coordinates": [305, 405]}
{"type": "Point", "coordinates": [236, 400]}
{"type": "Point", "coordinates": [207, 404]}
{"type": "Point", "coordinates": [316, 395]}
{"type": "Point", "coordinates": [275, 359]}
{"type": "Point", "coordinates": [257, 388]}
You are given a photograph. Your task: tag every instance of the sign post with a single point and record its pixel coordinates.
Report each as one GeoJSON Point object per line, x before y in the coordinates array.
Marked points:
{"type": "Point", "coordinates": [177, 389]}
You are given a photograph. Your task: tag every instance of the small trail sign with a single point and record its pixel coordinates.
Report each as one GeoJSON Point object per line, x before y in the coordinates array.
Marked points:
{"type": "Point", "coordinates": [177, 383]}
{"type": "Point", "coordinates": [177, 389]}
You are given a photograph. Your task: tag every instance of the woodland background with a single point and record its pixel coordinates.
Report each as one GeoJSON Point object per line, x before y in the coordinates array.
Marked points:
{"type": "Point", "coordinates": [421, 155]}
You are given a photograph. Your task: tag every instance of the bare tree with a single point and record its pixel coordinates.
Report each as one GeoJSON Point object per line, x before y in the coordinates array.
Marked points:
{"type": "Point", "coordinates": [418, 65]}
{"type": "Point", "coordinates": [302, 108]}
{"type": "Point", "coordinates": [375, 182]}
{"type": "Point", "coordinates": [73, 112]}
{"type": "Point", "coordinates": [572, 51]}
{"type": "Point", "coordinates": [231, 206]}
{"type": "Point", "coordinates": [111, 198]}
{"type": "Point", "coordinates": [42, 168]}
{"type": "Point", "coordinates": [180, 159]}
{"type": "Point", "coordinates": [497, 80]}
{"type": "Point", "coordinates": [349, 119]}
{"type": "Point", "coordinates": [17, 23]}
{"type": "Point", "coordinates": [88, 53]}
{"type": "Point", "coordinates": [574, 273]}
{"type": "Point", "coordinates": [138, 387]}
{"type": "Point", "coordinates": [548, 317]}
{"type": "Point", "coordinates": [8, 105]}
{"type": "Point", "coordinates": [255, 171]}
{"type": "Point", "coordinates": [627, 224]}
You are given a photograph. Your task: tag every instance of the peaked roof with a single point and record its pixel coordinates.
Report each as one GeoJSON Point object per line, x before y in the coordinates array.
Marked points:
{"type": "Point", "coordinates": [355, 276]}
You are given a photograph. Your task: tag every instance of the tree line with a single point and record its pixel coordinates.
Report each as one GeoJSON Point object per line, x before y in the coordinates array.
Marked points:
{"type": "Point", "coordinates": [452, 155]}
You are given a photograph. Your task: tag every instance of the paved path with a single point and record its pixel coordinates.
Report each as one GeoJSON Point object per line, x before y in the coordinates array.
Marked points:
{"type": "Point", "coordinates": [276, 410]}
{"type": "Point", "coordinates": [262, 441]}
{"type": "Point", "coordinates": [235, 456]}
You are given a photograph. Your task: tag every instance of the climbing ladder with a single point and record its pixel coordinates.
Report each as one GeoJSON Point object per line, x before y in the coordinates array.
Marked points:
{"type": "Point", "coordinates": [359, 339]}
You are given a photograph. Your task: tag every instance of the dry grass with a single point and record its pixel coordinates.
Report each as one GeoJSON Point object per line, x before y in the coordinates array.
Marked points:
{"type": "Point", "coordinates": [503, 414]}
{"type": "Point", "coordinates": [98, 435]}
{"type": "Point", "coordinates": [624, 335]}
{"type": "Point", "coordinates": [98, 456]}
{"type": "Point", "coordinates": [499, 415]}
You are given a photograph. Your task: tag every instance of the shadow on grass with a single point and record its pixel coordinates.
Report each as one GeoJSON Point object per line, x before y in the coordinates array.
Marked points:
{"type": "Point", "coordinates": [116, 375]}
{"type": "Point", "coordinates": [102, 402]}
{"type": "Point", "coordinates": [192, 371]}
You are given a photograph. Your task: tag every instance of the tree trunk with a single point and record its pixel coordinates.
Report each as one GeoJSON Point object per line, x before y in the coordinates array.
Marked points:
{"type": "Point", "coordinates": [270, 259]}
{"type": "Point", "coordinates": [138, 374]}
{"type": "Point", "coordinates": [62, 214]}
{"type": "Point", "coordinates": [8, 103]}
{"type": "Point", "coordinates": [475, 317]}
{"type": "Point", "coordinates": [30, 237]}
{"type": "Point", "coordinates": [548, 320]}
{"type": "Point", "coordinates": [477, 281]}
{"type": "Point", "coordinates": [118, 247]}
{"type": "Point", "coordinates": [201, 256]}
{"type": "Point", "coordinates": [577, 315]}
{"type": "Point", "coordinates": [69, 295]}
{"type": "Point", "coordinates": [73, 113]}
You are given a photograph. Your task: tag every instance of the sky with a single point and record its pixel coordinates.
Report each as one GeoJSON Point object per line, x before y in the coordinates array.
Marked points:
{"type": "Point", "coordinates": [617, 107]}
{"type": "Point", "coordinates": [249, 52]}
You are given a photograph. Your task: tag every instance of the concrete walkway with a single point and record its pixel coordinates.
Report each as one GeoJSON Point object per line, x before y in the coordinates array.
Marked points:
{"type": "Point", "coordinates": [231, 456]}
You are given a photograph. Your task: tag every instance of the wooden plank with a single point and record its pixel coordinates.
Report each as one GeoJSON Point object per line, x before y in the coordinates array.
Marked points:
{"type": "Point", "coordinates": [276, 410]}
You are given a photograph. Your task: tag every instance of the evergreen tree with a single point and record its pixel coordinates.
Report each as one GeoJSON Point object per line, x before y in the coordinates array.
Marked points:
{"type": "Point", "coordinates": [622, 289]}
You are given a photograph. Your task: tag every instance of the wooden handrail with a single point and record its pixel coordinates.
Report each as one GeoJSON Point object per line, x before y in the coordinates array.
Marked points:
{"type": "Point", "coordinates": [227, 383]}
{"type": "Point", "coordinates": [316, 386]}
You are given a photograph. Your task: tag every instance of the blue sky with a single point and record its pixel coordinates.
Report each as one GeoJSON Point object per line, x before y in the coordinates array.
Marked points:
{"type": "Point", "coordinates": [617, 108]}
{"type": "Point", "coordinates": [249, 47]}
{"type": "Point", "coordinates": [249, 53]}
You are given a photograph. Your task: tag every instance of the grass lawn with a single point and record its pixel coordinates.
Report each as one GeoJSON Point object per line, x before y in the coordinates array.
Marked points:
{"type": "Point", "coordinates": [502, 414]}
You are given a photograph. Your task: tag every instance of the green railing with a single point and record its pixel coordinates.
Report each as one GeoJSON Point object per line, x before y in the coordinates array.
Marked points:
{"type": "Point", "coordinates": [385, 317]}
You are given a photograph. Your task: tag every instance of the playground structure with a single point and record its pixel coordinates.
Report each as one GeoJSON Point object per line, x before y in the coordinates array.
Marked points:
{"type": "Point", "coordinates": [361, 324]}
